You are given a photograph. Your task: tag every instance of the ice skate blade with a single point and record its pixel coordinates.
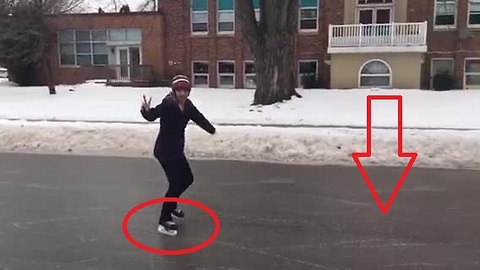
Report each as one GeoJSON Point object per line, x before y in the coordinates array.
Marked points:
{"type": "Point", "coordinates": [167, 232]}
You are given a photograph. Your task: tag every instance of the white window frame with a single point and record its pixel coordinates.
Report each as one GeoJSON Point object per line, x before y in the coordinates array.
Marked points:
{"type": "Point", "coordinates": [465, 72]}
{"type": "Point", "coordinates": [92, 43]}
{"type": "Point", "coordinates": [201, 74]}
{"type": "Point", "coordinates": [390, 74]}
{"type": "Point", "coordinates": [257, 14]}
{"type": "Point", "coordinates": [300, 8]}
{"type": "Point", "coordinates": [445, 27]}
{"type": "Point", "coordinates": [470, 3]}
{"type": "Point", "coordinates": [218, 19]}
{"type": "Point", "coordinates": [226, 74]}
{"type": "Point", "coordinates": [192, 12]}
{"type": "Point", "coordinates": [374, 9]}
{"type": "Point", "coordinates": [299, 75]}
{"type": "Point", "coordinates": [388, 3]}
{"type": "Point", "coordinates": [245, 74]}
{"type": "Point", "coordinates": [440, 59]}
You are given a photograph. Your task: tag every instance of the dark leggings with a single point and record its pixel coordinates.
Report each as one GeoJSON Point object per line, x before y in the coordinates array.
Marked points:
{"type": "Point", "coordinates": [180, 177]}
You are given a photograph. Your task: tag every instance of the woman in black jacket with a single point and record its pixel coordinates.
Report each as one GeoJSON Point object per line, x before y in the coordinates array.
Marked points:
{"type": "Point", "coordinates": [175, 111]}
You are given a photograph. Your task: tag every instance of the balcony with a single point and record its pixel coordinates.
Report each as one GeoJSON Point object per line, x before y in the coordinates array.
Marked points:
{"type": "Point", "coordinates": [368, 38]}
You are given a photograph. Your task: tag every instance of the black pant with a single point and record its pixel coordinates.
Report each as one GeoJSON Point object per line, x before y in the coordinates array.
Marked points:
{"type": "Point", "coordinates": [180, 177]}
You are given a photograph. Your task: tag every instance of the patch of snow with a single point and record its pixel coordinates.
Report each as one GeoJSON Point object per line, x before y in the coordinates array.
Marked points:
{"type": "Point", "coordinates": [316, 146]}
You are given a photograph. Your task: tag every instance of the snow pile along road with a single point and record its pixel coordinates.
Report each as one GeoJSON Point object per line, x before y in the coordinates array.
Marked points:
{"type": "Point", "coordinates": [446, 149]}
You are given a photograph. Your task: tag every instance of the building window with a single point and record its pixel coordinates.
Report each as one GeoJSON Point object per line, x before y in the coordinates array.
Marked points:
{"type": "Point", "coordinates": [89, 47]}
{"type": "Point", "coordinates": [368, 2]}
{"type": "Point", "coordinates": [199, 16]}
{"type": "Point", "coordinates": [306, 68]}
{"type": "Point", "coordinates": [308, 15]}
{"type": "Point", "coordinates": [472, 73]}
{"type": "Point", "coordinates": [200, 73]}
{"type": "Point", "coordinates": [226, 74]}
{"type": "Point", "coordinates": [226, 16]}
{"type": "Point", "coordinates": [127, 34]}
{"type": "Point", "coordinates": [249, 79]}
{"type": "Point", "coordinates": [474, 13]}
{"type": "Point", "coordinates": [375, 73]}
{"type": "Point", "coordinates": [441, 66]}
{"type": "Point", "coordinates": [445, 11]}
{"type": "Point", "coordinates": [83, 48]}
{"type": "Point", "coordinates": [256, 8]}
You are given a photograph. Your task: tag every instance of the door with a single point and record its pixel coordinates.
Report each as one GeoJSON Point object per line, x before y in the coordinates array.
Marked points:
{"type": "Point", "coordinates": [134, 61]}
{"type": "Point", "coordinates": [375, 15]}
{"type": "Point", "coordinates": [129, 61]}
{"type": "Point", "coordinates": [123, 62]}
{"type": "Point", "coordinates": [440, 66]}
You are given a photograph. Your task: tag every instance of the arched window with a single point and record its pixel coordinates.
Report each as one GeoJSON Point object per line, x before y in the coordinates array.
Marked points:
{"type": "Point", "coordinates": [375, 73]}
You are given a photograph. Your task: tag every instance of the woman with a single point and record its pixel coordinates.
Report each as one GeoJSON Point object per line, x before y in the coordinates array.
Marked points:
{"type": "Point", "coordinates": [175, 111]}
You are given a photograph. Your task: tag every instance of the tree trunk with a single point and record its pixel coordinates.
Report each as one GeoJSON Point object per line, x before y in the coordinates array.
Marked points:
{"type": "Point", "coordinates": [48, 72]}
{"type": "Point", "coordinates": [275, 71]}
{"type": "Point", "coordinates": [271, 43]}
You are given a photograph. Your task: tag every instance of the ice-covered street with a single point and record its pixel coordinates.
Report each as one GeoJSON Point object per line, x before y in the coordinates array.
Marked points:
{"type": "Point", "coordinates": [62, 212]}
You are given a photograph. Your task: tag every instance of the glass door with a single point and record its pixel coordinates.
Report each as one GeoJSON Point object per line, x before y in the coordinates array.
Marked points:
{"type": "Point", "coordinates": [123, 64]}
{"type": "Point", "coordinates": [128, 61]}
{"type": "Point", "coordinates": [134, 62]}
{"type": "Point", "coordinates": [375, 15]}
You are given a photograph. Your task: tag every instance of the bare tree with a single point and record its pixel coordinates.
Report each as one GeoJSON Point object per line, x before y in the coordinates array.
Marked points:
{"type": "Point", "coordinates": [148, 5]}
{"type": "Point", "coordinates": [271, 43]}
{"type": "Point", "coordinates": [26, 39]}
{"type": "Point", "coordinates": [59, 6]}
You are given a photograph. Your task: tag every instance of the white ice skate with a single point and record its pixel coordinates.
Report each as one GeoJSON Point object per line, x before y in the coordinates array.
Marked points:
{"type": "Point", "coordinates": [168, 228]}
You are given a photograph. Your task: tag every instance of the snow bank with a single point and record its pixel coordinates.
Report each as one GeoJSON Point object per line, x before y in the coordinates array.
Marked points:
{"type": "Point", "coordinates": [446, 149]}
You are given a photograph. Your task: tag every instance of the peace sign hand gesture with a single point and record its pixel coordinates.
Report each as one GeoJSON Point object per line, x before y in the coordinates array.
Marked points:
{"type": "Point", "coordinates": [146, 104]}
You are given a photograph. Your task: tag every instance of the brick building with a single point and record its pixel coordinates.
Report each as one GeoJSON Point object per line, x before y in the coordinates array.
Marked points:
{"type": "Point", "coordinates": [348, 43]}
{"type": "Point", "coordinates": [119, 47]}
{"type": "Point", "coordinates": [205, 41]}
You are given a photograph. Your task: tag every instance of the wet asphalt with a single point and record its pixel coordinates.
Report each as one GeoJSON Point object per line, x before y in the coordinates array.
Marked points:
{"type": "Point", "coordinates": [66, 212]}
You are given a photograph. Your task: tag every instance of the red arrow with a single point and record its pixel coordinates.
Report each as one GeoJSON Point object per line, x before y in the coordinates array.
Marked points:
{"type": "Point", "coordinates": [413, 156]}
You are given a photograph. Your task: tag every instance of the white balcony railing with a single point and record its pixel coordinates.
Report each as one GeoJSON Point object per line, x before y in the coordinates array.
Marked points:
{"type": "Point", "coordinates": [378, 35]}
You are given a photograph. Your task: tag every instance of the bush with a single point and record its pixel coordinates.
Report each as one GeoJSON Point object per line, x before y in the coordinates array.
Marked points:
{"type": "Point", "coordinates": [443, 81]}
{"type": "Point", "coordinates": [23, 75]}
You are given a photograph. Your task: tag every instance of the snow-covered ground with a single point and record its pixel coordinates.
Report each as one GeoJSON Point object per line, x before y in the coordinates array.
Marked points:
{"type": "Point", "coordinates": [329, 113]}
{"type": "Point", "coordinates": [96, 102]}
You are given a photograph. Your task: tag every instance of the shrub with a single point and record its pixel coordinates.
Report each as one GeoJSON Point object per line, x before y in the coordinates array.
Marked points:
{"type": "Point", "coordinates": [313, 81]}
{"type": "Point", "coordinates": [23, 75]}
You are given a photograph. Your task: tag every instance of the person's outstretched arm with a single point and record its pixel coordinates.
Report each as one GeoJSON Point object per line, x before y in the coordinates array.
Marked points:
{"type": "Point", "coordinates": [152, 114]}
{"type": "Point", "coordinates": [201, 120]}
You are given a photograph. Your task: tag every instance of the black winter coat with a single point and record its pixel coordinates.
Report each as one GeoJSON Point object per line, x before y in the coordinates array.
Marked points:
{"type": "Point", "coordinates": [170, 141]}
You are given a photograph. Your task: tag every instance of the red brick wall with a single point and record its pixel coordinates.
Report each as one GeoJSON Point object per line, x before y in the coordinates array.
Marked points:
{"type": "Point", "coordinates": [170, 48]}
{"type": "Point", "coordinates": [333, 13]}
{"type": "Point", "coordinates": [457, 43]}
{"type": "Point", "coordinates": [183, 48]}
{"type": "Point", "coordinates": [153, 46]}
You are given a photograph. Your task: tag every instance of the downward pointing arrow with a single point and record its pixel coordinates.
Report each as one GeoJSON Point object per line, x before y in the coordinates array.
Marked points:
{"type": "Point", "coordinates": [413, 156]}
